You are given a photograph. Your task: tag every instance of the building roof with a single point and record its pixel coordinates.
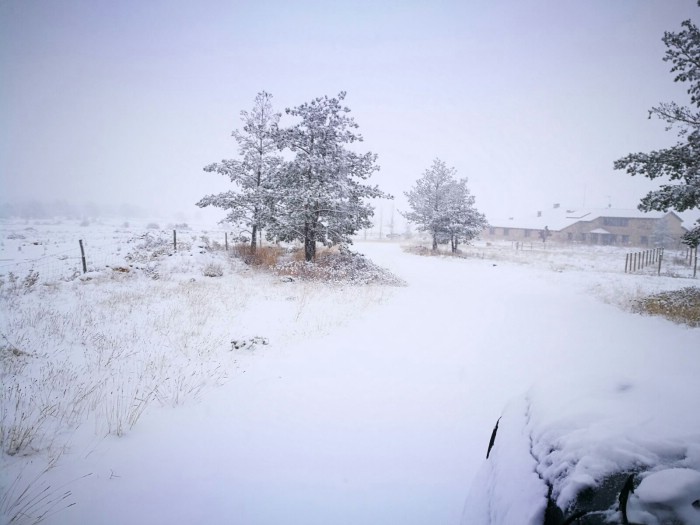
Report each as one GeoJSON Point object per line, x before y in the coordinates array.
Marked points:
{"type": "Point", "coordinates": [559, 218]}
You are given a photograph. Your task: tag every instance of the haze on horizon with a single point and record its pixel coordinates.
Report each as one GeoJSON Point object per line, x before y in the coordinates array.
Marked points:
{"type": "Point", "coordinates": [126, 102]}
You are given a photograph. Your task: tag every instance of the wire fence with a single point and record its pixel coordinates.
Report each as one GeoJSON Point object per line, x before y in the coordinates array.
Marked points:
{"type": "Point", "coordinates": [66, 255]}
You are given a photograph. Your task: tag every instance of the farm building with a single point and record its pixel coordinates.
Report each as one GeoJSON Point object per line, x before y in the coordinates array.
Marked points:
{"type": "Point", "coordinates": [591, 226]}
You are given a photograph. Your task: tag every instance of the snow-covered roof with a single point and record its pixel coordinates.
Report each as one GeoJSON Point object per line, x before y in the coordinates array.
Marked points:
{"type": "Point", "coordinates": [559, 218]}
{"type": "Point", "coordinates": [600, 230]}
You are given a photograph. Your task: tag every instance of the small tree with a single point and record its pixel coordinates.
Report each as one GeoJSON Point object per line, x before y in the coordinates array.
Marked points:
{"type": "Point", "coordinates": [680, 163]}
{"type": "Point", "coordinates": [429, 198]}
{"type": "Point", "coordinates": [443, 207]}
{"type": "Point", "coordinates": [462, 221]}
{"type": "Point", "coordinates": [321, 195]}
{"type": "Point", "coordinates": [255, 175]}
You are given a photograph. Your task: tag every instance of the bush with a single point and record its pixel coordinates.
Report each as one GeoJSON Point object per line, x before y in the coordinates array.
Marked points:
{"type": "Point", "coordinates": [681, 306]}
{"type": "Point", "coordinates": [339, 267]}
{"type": "Point", "coordinates": [152, 226]}
{"type": "Point", "coordinates": [213, 270]}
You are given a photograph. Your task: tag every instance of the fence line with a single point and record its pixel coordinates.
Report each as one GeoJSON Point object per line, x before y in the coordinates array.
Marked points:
{"type": "Point", "coordinates": [96, 252]}
{"type": "Point", "coordinates": [640, 260]}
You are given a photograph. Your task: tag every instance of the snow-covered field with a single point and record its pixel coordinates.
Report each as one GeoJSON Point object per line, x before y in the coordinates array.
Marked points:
{"type": "Point", "coordinates": [147, 392]}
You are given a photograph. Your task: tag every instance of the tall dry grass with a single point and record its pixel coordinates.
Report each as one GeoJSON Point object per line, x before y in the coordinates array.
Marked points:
{"type": "Point", "coordinates": [264, 256]}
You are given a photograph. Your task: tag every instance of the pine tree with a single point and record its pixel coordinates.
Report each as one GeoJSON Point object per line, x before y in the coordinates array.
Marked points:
{"type": "Point", "coordinates": [462, 221]}
{"type": "Point", "coordinates": [680, 163]}
{"type": "Point", "coordinates": [443, 206]}
{"type": "Point", "coordinates": [322, 195]}
{"type": "Point", "coordinates": [255, 175]}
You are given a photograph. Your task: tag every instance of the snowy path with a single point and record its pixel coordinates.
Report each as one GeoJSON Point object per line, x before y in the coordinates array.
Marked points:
{"type": "Point", "coordinates": [383, 421]}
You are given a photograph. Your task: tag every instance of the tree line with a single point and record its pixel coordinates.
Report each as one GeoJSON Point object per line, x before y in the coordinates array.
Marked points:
{"type": "Point", "coordinates": [320, 195]}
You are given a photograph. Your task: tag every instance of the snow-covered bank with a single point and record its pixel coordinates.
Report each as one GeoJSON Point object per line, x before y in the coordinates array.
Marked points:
{"type": "Point", "coordinates": [370, 405]}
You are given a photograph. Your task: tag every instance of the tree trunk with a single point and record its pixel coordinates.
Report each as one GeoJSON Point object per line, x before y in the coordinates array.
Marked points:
{"type": "Point", "coordinates": [434, 241]}
{"type": "Point", "coordinates": [253, 238]}
{"type": "Point", "coordinates": [309, 243]}
{"type": "Point", "coordinates": [309, 249]}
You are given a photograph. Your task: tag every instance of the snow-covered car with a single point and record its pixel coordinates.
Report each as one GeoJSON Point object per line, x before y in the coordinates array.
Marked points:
{"type": "Point", "coordinates": [592, 451]}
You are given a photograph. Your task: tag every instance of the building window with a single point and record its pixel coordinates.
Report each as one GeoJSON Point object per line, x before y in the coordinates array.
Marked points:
{"type": "Point", "coordinates": [644, 240]}
{"type": "Point", "coordinates": [527, 233]}
{"type": "Point", "coordinates": [492, 231]}
{"type": "Point", "coordinates": [570, 236]}
{"type": "Point", "coordinates": [506, 232]}
{"type": "Point", "coordinates": [582, 237]}
{"type": "Point", "coordinates": [616, 221]}
{"type": "Point", "coordinates": [625, 239]}
{"type": "Point", "coordinates": [593, 237]}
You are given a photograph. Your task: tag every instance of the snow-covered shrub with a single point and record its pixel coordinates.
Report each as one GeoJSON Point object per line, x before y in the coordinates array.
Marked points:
{"type": "Point", "coordinates": [150, 247]}
{"type": "Point", "coordinates": [339, 267]}
{"type": "Point", "coordinates": [420, 250]}
{"type": "Point", "coordinates": [153, 226]}
{"type": "Point", "coordinates": [680, 306]}
{"type": "Point", "coordinates": [213, 270]}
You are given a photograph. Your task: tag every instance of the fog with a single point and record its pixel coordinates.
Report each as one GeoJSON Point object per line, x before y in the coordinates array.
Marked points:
{"type": "Point", "coordinates": [120, 104]}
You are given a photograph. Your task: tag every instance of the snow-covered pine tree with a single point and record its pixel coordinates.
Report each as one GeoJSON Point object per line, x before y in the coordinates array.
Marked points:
{"type": "Point", "coordinates": [443, 206]}
{"type": "Point", "coordinates": [255, 175]}
{"type": "Point", "coordinates": [321, 191]}
{"type": "Point", "coordinates": [680, 163]}
{"type": "Point", "coordinates": [462, 221]}
{"type": "Point", "coordinates": [428, 199]}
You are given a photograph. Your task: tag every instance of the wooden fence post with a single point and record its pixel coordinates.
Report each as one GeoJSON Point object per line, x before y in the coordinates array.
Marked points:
{"type": "Point", "coordinates": [174, 240]}
{"type": "Point", "coordinates": [627, 258]}
{"type": "Point", "coordinates": [695, 268]}
{"type": "Point", "coordinates": [226, 240]}
{"type": "Point", "coordinates": [82, 255]}
{"type": "Point", "coordinates": [661, 256]}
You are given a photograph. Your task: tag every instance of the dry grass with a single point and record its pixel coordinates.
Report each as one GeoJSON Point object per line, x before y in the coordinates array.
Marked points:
{"type": "Point", "coordinates": [419, 249]}
{"type": "Point", "coordinates": [681, 306]}
{"type": "Point", "coordinates": [265, 256]}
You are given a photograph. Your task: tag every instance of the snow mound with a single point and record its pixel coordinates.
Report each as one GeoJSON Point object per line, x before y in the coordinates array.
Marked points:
{"type": "Point", "coordinates": [343, 268]}
{"type": "Point", "coordinates": [672, 495]}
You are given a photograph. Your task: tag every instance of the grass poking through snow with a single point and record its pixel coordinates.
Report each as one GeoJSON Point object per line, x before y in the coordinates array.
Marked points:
{"type": "Point", "coordinates": [681, 306]}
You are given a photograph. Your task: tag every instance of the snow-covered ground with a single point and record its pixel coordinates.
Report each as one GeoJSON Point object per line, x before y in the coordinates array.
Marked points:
{"type": "Point", "coordinates": [348, 404]}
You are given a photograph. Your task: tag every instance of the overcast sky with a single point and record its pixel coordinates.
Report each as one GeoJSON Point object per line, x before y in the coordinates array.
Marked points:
{"type": "Point", "coordinates": [532, 100]}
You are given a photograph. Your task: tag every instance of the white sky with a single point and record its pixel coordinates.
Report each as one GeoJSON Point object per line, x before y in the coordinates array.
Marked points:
{"type": "Point", "coordinates": [533, 101]}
